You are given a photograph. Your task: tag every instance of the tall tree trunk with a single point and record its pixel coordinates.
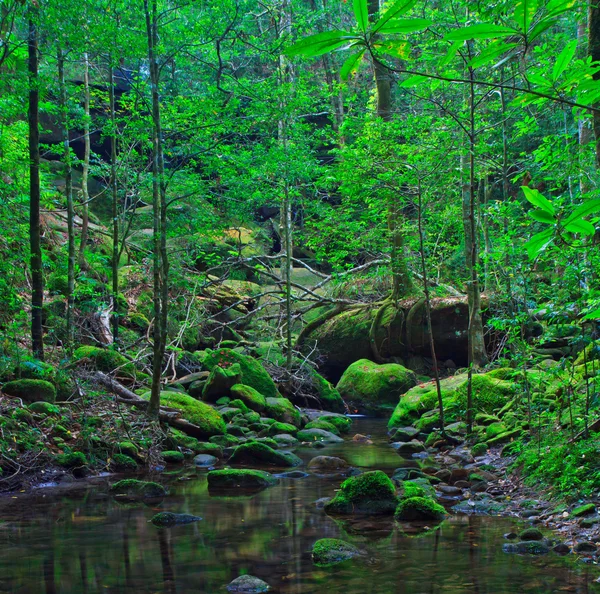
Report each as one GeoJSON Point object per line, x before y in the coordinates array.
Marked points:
{"type": "Point", "coordinates": [69, 195]}
{"type": "Point", "coordinates": [115, 204]}
{"type": "Point", "coordinates": [159, 203]}
{"type": "Point", "coordinates": [594, 54]}
{"type": "Point", "coordinates": [37, 278]}
{"type": "Point", "coordinates": [85, 194]}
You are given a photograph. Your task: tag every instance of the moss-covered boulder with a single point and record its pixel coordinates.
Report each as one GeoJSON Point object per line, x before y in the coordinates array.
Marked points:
{"type": "Point", "coordinates": [167, 519]}
{"type": "Point", "coordinates": [329, 397]}
{"type": "Point", "coordinates": [253, 399]}
{"type": "Point", "coordinates": [44, 408]}
{"type": "Point", "coordinates": [71, 460]}
{"type": "Point", "coordinates": [172, 456]}
{"type": "Point", "coordinates": [135, 489]}
{"type": "Point", "coordinates": [220, 381]}
{"type": "Point", "coordinates": [31, 390]}
{"type": "Point", "coordinates": [234, 478]}
{"type": "Point", "coordinates": [342, 422]}
{"type": "Point", "coordinates": [107, 360]}
{"type": "Point", "coordinates": [369, 493]}
{"type": "Point", "coordinates": [208, 421]}
{"type": "Point", "coordinates": [254, 453]}
{"type": "Point", "coordinates": [419, 509]}
{"type": "Point", "coordinates": [321, 424]}
{"type": "Point", "coordinates": [369, 386]}
{"type": "Point", "coordinates": [253, 373]}
{"type": "Point", "coordinates": [332, 551]}
{"type": "Point", "coordinates": [318, 435]}
{"type": "Point", "coordinates": [281, 409]}
{"type": "Point", "coordinates": [277, 428]}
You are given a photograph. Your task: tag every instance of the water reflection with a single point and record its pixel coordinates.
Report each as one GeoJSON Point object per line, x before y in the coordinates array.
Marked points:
{"type": "Point", "coordinates": [91, 543]}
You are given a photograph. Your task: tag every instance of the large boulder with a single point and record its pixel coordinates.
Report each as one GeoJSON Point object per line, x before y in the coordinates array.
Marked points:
{"type": "Point", "coordinates": [220, 381]}
{"type": "Point", "coordinates": [31, 390]}
{"type": "Point", "coordinates": [249, 396]}
{"type": "Point", "coordinates": [240, 478]}
{"type": "Point", "coordinates": [369, 493]}
{"type": "Point", "coordinates": [254, 453]}
{"type": "Point", "coordinates": [281, 409]}
{"type": "Point", "coordinates": [371, 387]}
{"type": "Point", "coordinates": [252, 372]}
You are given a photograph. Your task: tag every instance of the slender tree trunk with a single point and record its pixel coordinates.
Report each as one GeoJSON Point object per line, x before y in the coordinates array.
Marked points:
{"type": "Point", "coordinates": [594, 54]}
{"type": "Point", "coordinates": [159, 203]}
{"type": "Point", "coordinates": [85, 195]}
{"type": "Point", "coordinates": [37, 278]}
{"type": "Point", "coordinates": [69, 196]}
{"type": "Point", "coordinates": [115, 205]}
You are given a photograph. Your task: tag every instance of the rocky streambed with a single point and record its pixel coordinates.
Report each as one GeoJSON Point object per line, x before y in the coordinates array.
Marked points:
{"type": "Point", "coordinates": [295, 528]}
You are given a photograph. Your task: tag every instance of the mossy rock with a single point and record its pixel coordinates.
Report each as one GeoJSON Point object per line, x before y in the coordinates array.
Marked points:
{"type": "Point", "coordinates": [253, 399]}
{"type": "Point", "coordinates": [368, 385]}
{"type": "Point", "coordinates": [419, 509]}
{"type": "Point", "coordinates": [31, 390]}
{"type": "Point", "coordinates": [206, 418]}
{"type": "Point", "coordinates": [128, 448]}
{"type": "Point", "coordinates": [321, 424]}
{"type": "Point", "coordinates": [329, 396]}
{"type": "Point", "coordinates": [123, 463]}
{"type": "Point", "coordinates": [260, 454]}
{"type": "Point", "coordinates": [224, 441]}
{"type": "Point", "coordinates": [172, 457]}
{"type": "Point", "coordinates": [107, 360]}
{"type": "Point", "coordinates": [584, 510]}
{"type": "Point", "coordinates": [479, 449]}
{"type": "Point", "coordinates": [281, 409]}
{"type": "Point", "coordinates": [277, 428]}
{"type": "Point", "coordinates": [408, 489]}
{"type": "Point", "coordinates": [531, 534]}
{"type": "Point", "coordinates": [230, 478]}
{"type": "Point", "coordinates": [136, 489]}
{"type": "Point", "coordinates": [23, 415]}
{"type": "Point", "coordinates": [44, 408]}
{"type": "Point", "coordinates": [322, 435]}
{"type": "Point", "coordinates": [369, 493]}
{"type": "Point", "coordinates": [138, 321]}
{"type": "Point", "coordinates": [167, 519]}
{"type": "Point", "coordinates": [240, 406]}
{"type": "Point", "coordinates": [506, 436]}
{"type": "Point", "coordinates": [328, 552]}
{"type": "Point", "coordinates": [71, 460]}
{"type": "Point", "coordinates": [253, 373]}
{"type": "Point", "coordinates": [220, 381]}
{"type": "Point", "coordinates": [342, 422]}
{"type": "Point", "coordinates": [495, 429]}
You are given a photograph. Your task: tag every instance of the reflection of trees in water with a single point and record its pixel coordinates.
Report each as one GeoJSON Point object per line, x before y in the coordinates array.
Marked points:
{"type": "Point", "coordinates": [165, 558]}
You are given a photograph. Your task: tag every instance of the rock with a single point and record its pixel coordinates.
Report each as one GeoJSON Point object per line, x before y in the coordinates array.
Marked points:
{"type": "Point", "coordinates": [172, 457]}
{"type": "Point", "coordinates": [325, 464]}
{"type": "Point", "coordinates": [332, 551]}
{"type": "Point", "coordinates": [443, 474]}
{"type": "Point", "coordinates": [171, 519]}
{"type": "Point", "coordinates": [318, 435]}
{"type": "Point", "coordinates": [449, 490]}
{"type": "Point", "coordinates": [107, 360]}
{"type": "Point", "coordinates": [293, 474]}
{"type": "Point", "coordinates": [248, 584]}
{"type": "Point", "coordinates": [220, 381]}
{"type": "Point", "coordinates": [368, 386]}
{"type": "Point", "coordinates": [278, 428]}
{"type": "Point", "coordinates": [511, 536]}
{"type": "Point", "coordinates": [420, 509]}
{"type": "Point", "coordinates": [329, 397]}
{"type": "Point", "coordinates": [31, 390]}
{"type": "Point", "coordinates": [531, 534]}
{"type": "Point", "coordinates": [415, 488]}
{"type": "Point", "coordinates": [320, 503]}
{"type": "Point", "coordinates": [253, 399]}
{"type": "Point", "coordinates": [133, 489]}
{"type": "Point", "coordinates": [205, 460]}
{"type": "Point", "coordinates": [230, 478]}
{"type": "Point", "coordinates": [562, 549]}
{"type": "Point", "coordinates": [370, 493]}
{"type": "Point", "coordinates": [256, 453]}
{"type": "Point", "coordinates": [404, 434]}
{"type": "Point", "coordinates": [458, 474]}
{"type": "Point", "coordinates": [360, 438]}
{"type": "Point", "coordinates": [44, 408]}
{"type": "Point", "coordinates": [342, 422]}
{"type": "Point", "coordinates": [585, 546]}
{"type": "Point", "coordinates": [285, 440]}
{"type": "Point", "coordinates": [409, 448]}
{"type": "Point", "coordinates": [584, 510]}
{"type": "Point", "coordinates": [531, 547]}
{"type": "Point", "coordinates": [189, 379]}
{"type": "Point", "coordinates": [281, 409]}
{"type": "Point", "coordinates": [320, 424]}
{"type": "Point", "coordinates": [479, 449]}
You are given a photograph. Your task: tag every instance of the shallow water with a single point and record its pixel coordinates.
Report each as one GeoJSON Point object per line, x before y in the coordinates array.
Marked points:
{"type": "Point", "coordinates": [85, 542]}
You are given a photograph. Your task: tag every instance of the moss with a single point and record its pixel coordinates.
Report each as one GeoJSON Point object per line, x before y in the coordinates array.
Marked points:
{"type": "Point", "coordinates": [44, 408]}
{"type": "Point", "coordinates": [479, 449]}
{"type": "Point", "coordinates": [128, 448]}
{"type": "Point", "coordinates": [106, 360]}
{"type": "Point", "coordinates": [22, 415]}
{"type": "Point", "coordinates": [62, 432]}
{"type": "Point", "coordinates": [164, 519]}
{"type": "Point", "coordinates": [313, 435]}
{"type": "Point", "coordinates": [220, 381]}
{"type": "Point", "coordinates": [410, 489]}
{"type": "Point", "coordinates": [240, 406]}
{"type": "Point", "coordinates": [419, 509]}
{"type": "Point", "coordinates": [531, 534]}
{"type": "Point", "coordinates": [138, 489]}
{"type": "Point", "coordinates": [172, 457]}
{"type": "Point", "coordinates": [230, 478]}
{"type": "Point", "coordinates": [276, 428]}
{"type": "Point", "coordinates": [31, 390]}
{"type": "Point", "coordinates": [320, 424]}
{"type": "Point", "coordinates": [252, 417]}
{"type": "Point", "coordinates": [506, 436]}
{"type": "Point", "coordinates": [123, 463]}
{"type": "Point", "coordinates": [281, 409]}
{"type": "Point", "coordinates": [365, 383]}
{"type": "Point", "coordinates": [224, 441]}
{"type": "Point", "coordinates": [584, 510]}
{"type": "Point", "coordinates": [249, 396]}
{"type": "Point", "coordinates": [495, 429]}
{"type": "Point", "coordinates": [254, 452]}
{"type": "Point", "coordinates": [369, 493]}
{"type": "Point", "coordinates": [327, 552]}
{"type": "Point", "coordinates": [329, 397]}
{"type": "Point", "coordinates": [138, 321]}
{"type": "Point", "coordinates": [253, 373]}
{"type": "Point", "coordinates": [428, 421]}
{"type": "Point", "coordinates": [71, 459]}
{"type": "Point", "coordinates": [206, 418]}
{"type": "Point", "coordinates": [342, 423]}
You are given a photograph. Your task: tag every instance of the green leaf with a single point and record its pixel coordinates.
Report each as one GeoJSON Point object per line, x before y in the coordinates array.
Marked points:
{"type": "Point", "coordinates": [538, 242]}
{"type": "Point", "coordinates": [542, 216]}
{"type": "Point", "coordinates": [405, 26]}
{"type": "Point", "coordinates": [556, 7]}
{"type": "Point", "coordinates": [351, 65]}
{"type": "Point", "coordinates": [361, 12]}
{"type": "Point", "coordinates": [593, 315]}
{"type": "Point", "coordinates": [412, 81]}
{"type": "Point", "coordinates": [490, 53]}
{"type": "Point", "coordinates": [397, 49]}
{"type": "Point", "coordinates": [585, 209]}
{"type": "Point", "coordinates": [483, 31]}
{"type": "Point", "coordinates": [394, 11]}
{"type": "Point", "coordinates": [451, 53]}
{"type": "Point", "coordinates": [564, 59]}
{"type": "Point", "coordinates": [580, 226]}
{"type": "Point", "coordinates": [524, 13]}
{"type": "Point", "coordinates": [542, 26]}
{"type": "Point", "coordinates": [321, 43]}
{"type": "Point", "coordinates": [537, 199]}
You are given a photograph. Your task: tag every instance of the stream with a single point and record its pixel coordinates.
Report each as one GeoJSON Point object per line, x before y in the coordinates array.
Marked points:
{"type": "Point", "coordinates": [82, 541]}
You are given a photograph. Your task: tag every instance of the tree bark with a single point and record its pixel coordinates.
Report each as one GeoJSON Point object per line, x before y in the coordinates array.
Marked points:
{"type": "Point", "coordinates": [115, 205]}
{"type": "Point", "coordinates": [37, 278]}
{"type": "Point", "coordinates": [85, 195]}
{"type": "Point", "coordinates": [594, 54]}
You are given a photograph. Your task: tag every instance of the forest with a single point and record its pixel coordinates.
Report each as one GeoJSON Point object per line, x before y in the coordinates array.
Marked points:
{"type": "Point", "coordinates": [317, 277]}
